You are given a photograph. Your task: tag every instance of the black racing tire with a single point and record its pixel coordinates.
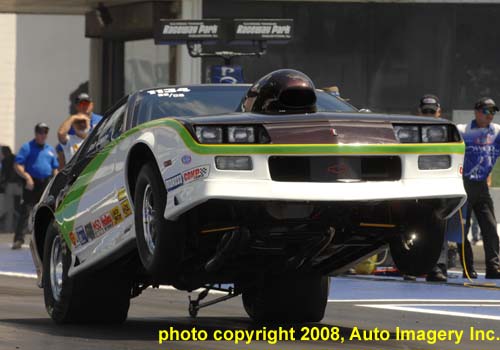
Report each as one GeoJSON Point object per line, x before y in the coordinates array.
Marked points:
{"type": "Point", "coordinates": [161, 247]}
{"type": "Point", "coordinates": [293, 298]}
{"type": "Point", "coordinates": [97, 297]}
{"type": "Point", "coordinates": [422, 255]}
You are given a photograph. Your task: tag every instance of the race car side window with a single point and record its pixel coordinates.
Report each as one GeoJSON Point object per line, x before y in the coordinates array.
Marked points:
{"type": "Point", "coordinates": [109, 130]}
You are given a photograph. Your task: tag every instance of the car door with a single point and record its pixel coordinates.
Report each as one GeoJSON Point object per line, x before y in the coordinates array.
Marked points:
{"type": "Point", "coordinates": [88, 214]}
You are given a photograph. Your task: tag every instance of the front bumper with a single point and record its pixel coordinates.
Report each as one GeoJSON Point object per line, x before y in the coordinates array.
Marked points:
{"type": "Point", "coordinates": [257, 185]}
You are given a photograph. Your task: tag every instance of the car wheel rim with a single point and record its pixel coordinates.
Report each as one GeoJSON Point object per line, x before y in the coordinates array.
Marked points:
{"type": "Point", "coordinates": [148, 217]}
{"type": "Point", "coordinates": [56, 268]}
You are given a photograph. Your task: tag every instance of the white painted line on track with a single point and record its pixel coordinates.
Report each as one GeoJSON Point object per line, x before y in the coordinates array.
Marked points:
{"type": "Point", "coordinates": [34, 276]}
{"type": "Point", "coordinates": [18, 274]}
{"type": "Point", "coordinates": [395, 307]}
{"type": "Point", "coordinates": [411, 301]}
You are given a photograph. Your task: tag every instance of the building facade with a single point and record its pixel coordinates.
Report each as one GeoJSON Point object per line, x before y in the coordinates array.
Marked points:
{"type": "Point", "coordinates": [382, 54]}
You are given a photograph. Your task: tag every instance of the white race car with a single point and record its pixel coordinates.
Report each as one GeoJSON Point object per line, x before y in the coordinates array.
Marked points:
{"type": "Point", "coordinates": [263, 190]}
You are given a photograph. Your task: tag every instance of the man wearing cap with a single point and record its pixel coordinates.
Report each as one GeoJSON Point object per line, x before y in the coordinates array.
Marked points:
{"type": "Point", "coordinates": [70, 143]}
{"type": "Point", "coordinates": [85, 106]}
{"type": "Point", "coordinates": [36, 162]}
{"type": "Point", "coordinates": [431, 107]}
{"type": "Point", "coordinates": [482, 141]}
{"type": "Point", "coordinates": [70, 138]}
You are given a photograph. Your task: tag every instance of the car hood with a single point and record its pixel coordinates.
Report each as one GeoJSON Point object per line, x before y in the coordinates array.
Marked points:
{"type": "Point", "coordinates": [319, 128]}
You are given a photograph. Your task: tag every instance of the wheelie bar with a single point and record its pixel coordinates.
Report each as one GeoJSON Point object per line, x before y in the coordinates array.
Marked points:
{"type": "Point", "coordinates": [196, 304]}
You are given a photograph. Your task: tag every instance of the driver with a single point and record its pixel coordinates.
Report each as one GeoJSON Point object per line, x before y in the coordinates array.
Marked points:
{"type": "Point", "coordinates": [284, 91]}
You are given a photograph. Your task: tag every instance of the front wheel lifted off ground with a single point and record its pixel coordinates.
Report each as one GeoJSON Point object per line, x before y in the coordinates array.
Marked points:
{"type": "Point", "coordinates": [160, 242]}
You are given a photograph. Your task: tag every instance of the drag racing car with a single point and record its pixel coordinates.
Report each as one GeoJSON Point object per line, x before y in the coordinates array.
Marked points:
{"type": "Point", "coordinates": [262, 190]}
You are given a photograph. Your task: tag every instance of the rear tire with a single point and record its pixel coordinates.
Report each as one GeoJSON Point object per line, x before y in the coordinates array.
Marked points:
{"type": "Point", "coordinates": [160, 242]}
{"type": "Point", "coordinates": [291, 298]}
{"type": "Point", "coordinates": [97, 297]}
{"type": "Point", "coordinates": [419, 256]}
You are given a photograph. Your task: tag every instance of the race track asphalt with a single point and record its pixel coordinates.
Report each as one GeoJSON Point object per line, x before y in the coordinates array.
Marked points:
{"type": "Point", "coordinates": [24, 323]}
{"type": "Point", "coordinates": [360, 301]}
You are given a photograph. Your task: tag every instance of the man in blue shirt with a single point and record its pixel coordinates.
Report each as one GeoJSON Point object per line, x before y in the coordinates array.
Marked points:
{"type": "Point", "coordinates": [36, 162]}
{"type": "Point", "coordinates": [482, 148]}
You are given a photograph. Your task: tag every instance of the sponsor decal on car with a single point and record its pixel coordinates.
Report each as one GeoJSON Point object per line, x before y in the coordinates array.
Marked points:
{"type": "Point", "coordinates": [127, 210]}
{"type": "Point", "coordinates": [117, 215]}
{"type": "Point", "coordinates": [186, 159]}
{"type": "Point", "coordinates": [73, 238]}
{"type": "Point", "coordinates": [196, 173]}
{"type": "Point", "coordinates": [82, 236]}
{"type": "Point", "coordinates": [107, 221]}
{"type": "Point", "coordinates": [174, 182]}
{"type": "Point", "coordinates": [90, 231]}
{"type": "Point", "coordinates": [122, 194]}
{"type": "Point", "coordinates": [98, 227]}
{"type": "Point", "coordinates": [167, 163]}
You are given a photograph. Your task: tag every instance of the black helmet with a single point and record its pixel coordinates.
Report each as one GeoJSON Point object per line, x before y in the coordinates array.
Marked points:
{"type": "Point", "coordinates": [285, 91]}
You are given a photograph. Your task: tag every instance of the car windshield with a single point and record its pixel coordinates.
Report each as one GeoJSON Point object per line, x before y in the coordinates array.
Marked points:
{"type": "Point", "coordinates": [206, 100]}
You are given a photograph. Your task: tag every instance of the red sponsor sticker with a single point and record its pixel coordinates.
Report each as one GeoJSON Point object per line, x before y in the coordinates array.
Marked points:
{"type": "Point", "coordinates": [195, 173]}
{"type": "Point", "coordinates": [98, 227]}
{"type": "Point", "coordinates": [107, 221]}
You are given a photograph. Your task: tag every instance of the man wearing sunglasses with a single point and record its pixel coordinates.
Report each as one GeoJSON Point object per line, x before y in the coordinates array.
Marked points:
{"type": "Point", "coordinates": [76, 128]}
{"type": "Point", "coordinates": [85, 106]}
{"type": "Point", "coordinates": [70, 143]}
{"type": "Point", "coordinates": [482, 141]}
{"type": "Point", "coordinates": [36, 162]}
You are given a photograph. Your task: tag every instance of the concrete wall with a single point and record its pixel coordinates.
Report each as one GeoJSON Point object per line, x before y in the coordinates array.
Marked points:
{"type": "Point", "coordinates": [52, 63]}
{"type": "Point", "coordinates": [7, 78]}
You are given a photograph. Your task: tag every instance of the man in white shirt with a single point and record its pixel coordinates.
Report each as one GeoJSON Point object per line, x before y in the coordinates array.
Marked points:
{"type": "Point", "coordinates": [70, 143]}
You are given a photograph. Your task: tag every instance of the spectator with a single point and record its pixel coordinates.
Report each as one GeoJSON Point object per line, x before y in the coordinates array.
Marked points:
{"type": "Point", "coordinates": [482, 141]}
{"type": "Point", "coordinates": [84, 105]}
{"type": "Point", "coordinates": [70, 143]}
{"type": "Point", "coordinates": [431, 107]}
{"type": "Point", "coordinates": [36, 163]}
{"type": "Point", "coordinates": [12, 185]}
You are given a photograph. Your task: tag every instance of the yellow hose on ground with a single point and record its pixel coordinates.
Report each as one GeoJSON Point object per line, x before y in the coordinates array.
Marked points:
{"type": "Point", "coordinates": [471, 283]}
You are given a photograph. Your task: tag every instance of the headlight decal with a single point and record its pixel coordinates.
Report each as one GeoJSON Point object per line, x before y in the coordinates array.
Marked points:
{"type": "Point", "coordinates": [434, 133]}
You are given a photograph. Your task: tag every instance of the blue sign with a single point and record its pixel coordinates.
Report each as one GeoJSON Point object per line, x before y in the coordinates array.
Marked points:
{"type": "Point", "coordinates": [226, 74]}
